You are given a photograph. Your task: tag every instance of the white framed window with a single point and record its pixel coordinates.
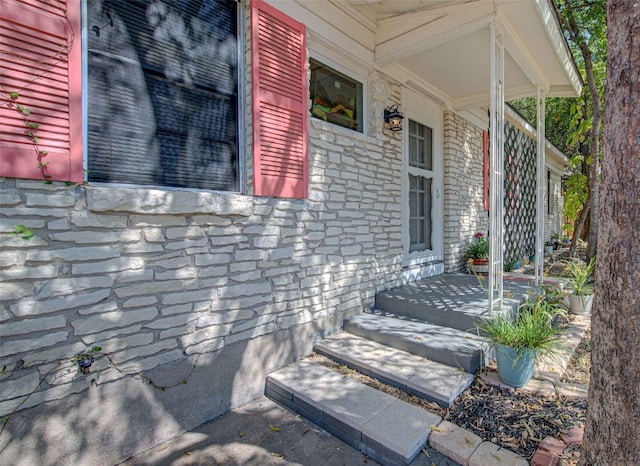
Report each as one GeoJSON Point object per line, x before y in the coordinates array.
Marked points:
{"type": "Point", "coordinates": [162, 98]}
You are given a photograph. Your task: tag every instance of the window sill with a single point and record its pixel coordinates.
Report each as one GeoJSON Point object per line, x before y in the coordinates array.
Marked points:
{"type": "Point", "coordinates": [420, 258]}
{"type": "Point", "coordinates": [155, 201]}
{"type": "Point", "coordinates": [326, 126]}
{"type": "Point", "coordinates": [418, 271]}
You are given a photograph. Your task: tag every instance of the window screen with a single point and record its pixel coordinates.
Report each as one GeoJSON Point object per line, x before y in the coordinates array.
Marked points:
{"type": "Point", "coordinates": [162, 93]}
{"type": "Point", "coordinates": [335, 97]}
{"type": "Point", "coordinates": [420, 146]}
{"type": "Point", "coordinates": [420, 207]}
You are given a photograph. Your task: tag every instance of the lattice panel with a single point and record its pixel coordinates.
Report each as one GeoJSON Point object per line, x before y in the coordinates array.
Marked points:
{"type": "Point", "coordinates": [519, 195]}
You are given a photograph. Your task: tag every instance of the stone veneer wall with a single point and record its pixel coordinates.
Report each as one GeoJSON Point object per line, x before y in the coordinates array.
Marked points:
{"type": "Point", "coordinates": [164, 280]}
{"type": "Point", "coordinates": [464, 212]}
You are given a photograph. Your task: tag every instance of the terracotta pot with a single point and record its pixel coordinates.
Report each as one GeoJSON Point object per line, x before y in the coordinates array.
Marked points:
{"type": "Point", "coordinates": [479, 266]}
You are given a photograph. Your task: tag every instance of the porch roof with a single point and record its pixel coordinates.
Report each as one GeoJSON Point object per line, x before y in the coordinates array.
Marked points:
{"type": "Point", "coordinates": [443, 47]}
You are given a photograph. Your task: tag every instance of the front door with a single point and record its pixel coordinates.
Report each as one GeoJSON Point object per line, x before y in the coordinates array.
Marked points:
{"type": "Point", "coordinates": [423, 189]}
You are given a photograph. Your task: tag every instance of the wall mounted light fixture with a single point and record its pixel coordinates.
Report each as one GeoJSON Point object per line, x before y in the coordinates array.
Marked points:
{"type": "Point", "coordinates": [393, 118]}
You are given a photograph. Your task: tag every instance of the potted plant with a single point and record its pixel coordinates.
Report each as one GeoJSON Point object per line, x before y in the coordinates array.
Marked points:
{"type": "Point", "coordinates": [555, 239]}
{"type": "Point", "coordinates": [548, 247]}
{"type": "Point", "coordinates": [477, 254]}
{"type": "Point", "coordinates": [581, 285]}
{"type": "Point", "coordinates": [520, 340]}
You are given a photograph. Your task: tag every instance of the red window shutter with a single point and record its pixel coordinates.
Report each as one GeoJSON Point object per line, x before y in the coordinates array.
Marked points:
{"type": "Point", "coordinates": [47, 77]}
{"type": "Point", "coordinates": [279, 88]}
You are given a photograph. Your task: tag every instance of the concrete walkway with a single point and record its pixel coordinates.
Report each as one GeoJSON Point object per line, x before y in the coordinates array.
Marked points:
{"type": "Point", "coordinates": [263, 433]}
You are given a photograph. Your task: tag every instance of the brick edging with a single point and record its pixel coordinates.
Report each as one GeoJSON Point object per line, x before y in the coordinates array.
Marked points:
{"type": "Point", "coordinates": [551, 448]}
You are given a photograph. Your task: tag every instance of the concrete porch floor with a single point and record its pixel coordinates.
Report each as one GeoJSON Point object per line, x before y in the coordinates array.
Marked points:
{"type": "Point", "coordinates": [454, 300]}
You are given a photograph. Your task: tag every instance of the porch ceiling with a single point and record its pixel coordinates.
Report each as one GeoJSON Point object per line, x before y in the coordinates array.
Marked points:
{"type": "Point", "coordinates": [443, 47]}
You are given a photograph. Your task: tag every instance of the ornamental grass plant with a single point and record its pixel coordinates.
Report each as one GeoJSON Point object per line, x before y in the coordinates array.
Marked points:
{"type": "Point", "coordinates": [532, 329]}
{"type": "Point", "coordinates": [581, 276]}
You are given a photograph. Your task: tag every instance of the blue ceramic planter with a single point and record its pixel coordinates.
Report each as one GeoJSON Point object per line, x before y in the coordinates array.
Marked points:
{"type": "Point", "coordinates": [513, 371]}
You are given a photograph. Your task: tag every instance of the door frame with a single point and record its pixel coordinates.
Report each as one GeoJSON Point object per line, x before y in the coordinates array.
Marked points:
{"type": "Point", "coordinates": [425, 111]}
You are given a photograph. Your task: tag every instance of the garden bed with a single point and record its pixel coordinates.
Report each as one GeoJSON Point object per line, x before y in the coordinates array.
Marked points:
{"type": "Point", "coordinates": [514, 419]}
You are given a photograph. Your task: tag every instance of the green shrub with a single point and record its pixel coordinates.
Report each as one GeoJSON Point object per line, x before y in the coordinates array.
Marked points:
{"type": "Point", "coordinates": [478, 248]}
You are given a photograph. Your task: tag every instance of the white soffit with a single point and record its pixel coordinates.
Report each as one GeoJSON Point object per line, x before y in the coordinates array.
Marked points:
{"type": "Point", "coordinates": [445, 45]}
{"type": "Point", "coordinates": [460, 69]}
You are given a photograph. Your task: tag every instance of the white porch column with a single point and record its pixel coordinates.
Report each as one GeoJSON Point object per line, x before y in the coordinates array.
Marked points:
{"type": "Point", "coordinates": [540, 172]}
{"type": "Point", "coordinates": [496, 186]}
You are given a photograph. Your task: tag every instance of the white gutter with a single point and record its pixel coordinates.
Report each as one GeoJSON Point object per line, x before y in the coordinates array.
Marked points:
{"type": "Point", "coordinates": [554, 32]}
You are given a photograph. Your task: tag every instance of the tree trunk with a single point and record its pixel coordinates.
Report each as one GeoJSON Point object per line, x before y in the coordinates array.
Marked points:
{"type": "Point", "coordinates": [594, 168]}
{"type": "Point", "coordinates": [594, 152]}
{"type": "Point", "coordinates": [577, 230]}
{"type": "Point", "coordinates": [612, 435]}
{"type": "Point", "coordinates": [578, 37]}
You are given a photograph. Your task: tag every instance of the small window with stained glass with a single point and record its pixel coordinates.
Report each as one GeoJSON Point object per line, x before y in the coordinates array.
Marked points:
{"type": "Point", "coordinates": [335, 97]}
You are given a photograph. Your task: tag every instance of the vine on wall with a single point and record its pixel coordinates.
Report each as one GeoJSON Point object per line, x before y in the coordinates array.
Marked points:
{"type": "Point", "coordinates": [31, 128]}
{"type": "Point", "coordinates": [12, 97]}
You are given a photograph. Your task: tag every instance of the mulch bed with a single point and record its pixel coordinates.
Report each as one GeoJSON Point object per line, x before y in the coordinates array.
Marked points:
{"type": "Point", "coordinates": [515, 419]}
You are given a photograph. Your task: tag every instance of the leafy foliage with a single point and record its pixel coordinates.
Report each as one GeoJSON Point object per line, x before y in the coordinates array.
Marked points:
{"type": "Point", "coordinates": [569, 122]}
{"type": "Point", "coordinates": [23, 231]}
{"type": "Point", "coordinates": [478, 248]}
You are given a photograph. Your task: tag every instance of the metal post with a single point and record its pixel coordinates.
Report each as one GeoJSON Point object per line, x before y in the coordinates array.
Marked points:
{"type": "Point", "coordinates": [540, 172]}
{"type": "Point", "coordinates": [496, 208]}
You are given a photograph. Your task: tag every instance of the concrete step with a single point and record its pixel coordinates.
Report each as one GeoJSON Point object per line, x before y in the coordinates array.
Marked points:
{"type": "Point", "coordinates": [452, 300]}
{"type": "Point", "coordinates": [413, 374]}
{"type": "Point", "coordinates": [445, 345]}
{"type": "Point", "coordinates": [385, 428]}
